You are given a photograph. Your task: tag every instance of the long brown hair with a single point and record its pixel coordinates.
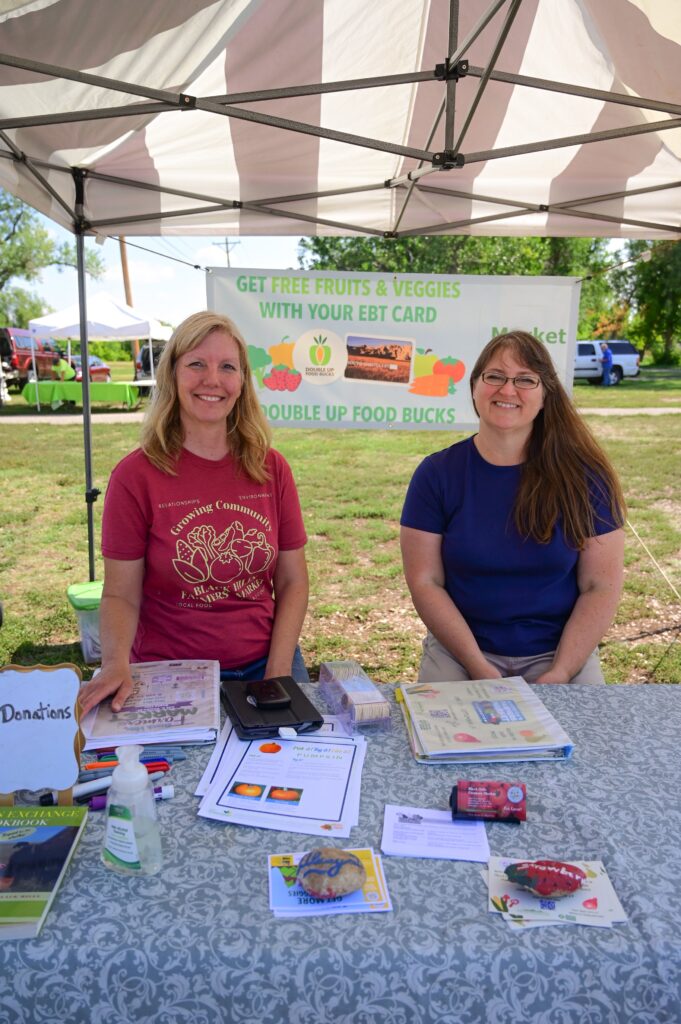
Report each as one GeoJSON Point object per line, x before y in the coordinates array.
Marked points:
{"type": "Point", "coordinates": [565, 468]}
{"type": "Point", "coordinates": [247, 429]}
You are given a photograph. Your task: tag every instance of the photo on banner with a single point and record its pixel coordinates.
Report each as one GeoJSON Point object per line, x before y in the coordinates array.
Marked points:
{"type": "Point", "coordinates": [345, 349]}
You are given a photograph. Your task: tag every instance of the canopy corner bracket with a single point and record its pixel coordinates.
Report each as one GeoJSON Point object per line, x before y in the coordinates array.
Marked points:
{"type": "Point", "coordinates": [447, 160]}
{"type": "Point", "coordinates": [451, 70]}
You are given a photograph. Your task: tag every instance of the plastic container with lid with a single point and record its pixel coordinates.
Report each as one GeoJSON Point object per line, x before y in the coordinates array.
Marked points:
{"type": "Point", "coordinates": [85, 599]}
{"type": "Point", "coordinates": [132, 841]}
{"type": "Point", "coordinates": [353, 697]}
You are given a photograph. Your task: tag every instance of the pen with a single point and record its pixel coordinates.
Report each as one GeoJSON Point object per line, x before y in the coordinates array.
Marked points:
{"type": "Point", "coordinates": [172, 753]}
{"type": "Point", "coordinates": [98, 803]}
{"type": "Point", "coordinates": [160, 754]}
{"type": "Point", "coordinates": [84, 789]}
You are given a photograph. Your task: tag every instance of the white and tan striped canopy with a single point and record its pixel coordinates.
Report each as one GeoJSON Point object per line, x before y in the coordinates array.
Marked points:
{"type": "Point", "coordinates": [546, 117]}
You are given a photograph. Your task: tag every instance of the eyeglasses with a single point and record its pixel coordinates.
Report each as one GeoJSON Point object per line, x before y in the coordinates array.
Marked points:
{"type": "Point", "coordinates": [497, 380]}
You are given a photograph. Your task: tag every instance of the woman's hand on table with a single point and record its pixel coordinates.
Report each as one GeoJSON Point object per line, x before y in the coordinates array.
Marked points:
{"type": "Point", "coordinates": [113, 679]}
{"type": "Point", "coordinates": [553, 675]}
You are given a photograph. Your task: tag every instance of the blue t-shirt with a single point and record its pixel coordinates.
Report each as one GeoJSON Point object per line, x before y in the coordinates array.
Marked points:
{"type": "Point", "coordinates": [606, 358]}
{"type": "Point", "coordinates": [515, 594]}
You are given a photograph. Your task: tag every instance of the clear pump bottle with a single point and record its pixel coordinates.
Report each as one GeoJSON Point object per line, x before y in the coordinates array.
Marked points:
{"type": "Point", "coordinates": [132, 841]}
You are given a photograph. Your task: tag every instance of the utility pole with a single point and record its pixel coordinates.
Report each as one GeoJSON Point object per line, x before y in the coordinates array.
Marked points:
{"type": "Point", "coordinates": [227, 246]}
{"type": "Point", "coordinates": [128, 290]}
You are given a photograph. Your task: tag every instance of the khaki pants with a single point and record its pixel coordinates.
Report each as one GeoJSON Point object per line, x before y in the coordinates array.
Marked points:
{"type": "Point", "coordinates": [438, 665]}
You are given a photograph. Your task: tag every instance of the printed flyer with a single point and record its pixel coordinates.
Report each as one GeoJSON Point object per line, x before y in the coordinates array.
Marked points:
{"type": "Point", "coordinates": [310, 784]}
{"type": "Point", "coordinates": [346, 349]}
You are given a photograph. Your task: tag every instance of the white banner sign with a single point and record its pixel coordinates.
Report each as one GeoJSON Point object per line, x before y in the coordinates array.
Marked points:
{"type": "Point", "coordinates": [345, 349]}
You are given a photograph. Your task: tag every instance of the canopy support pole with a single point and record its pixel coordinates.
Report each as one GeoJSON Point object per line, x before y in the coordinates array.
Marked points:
{"type": "Point", "coordinates": [450, 101]}
{"type": "Point", "coordinates": [90, 491]}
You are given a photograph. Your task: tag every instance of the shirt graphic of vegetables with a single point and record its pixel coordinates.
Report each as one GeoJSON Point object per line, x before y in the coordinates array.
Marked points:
{"type": "Point", "coordinates": [226, 558]}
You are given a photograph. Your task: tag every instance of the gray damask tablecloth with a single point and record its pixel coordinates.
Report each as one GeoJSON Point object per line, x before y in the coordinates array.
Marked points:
{"type": "Point", "coordinates": [197, 943]}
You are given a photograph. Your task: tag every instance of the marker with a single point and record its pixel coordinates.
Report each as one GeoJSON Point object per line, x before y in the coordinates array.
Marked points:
{"type": "Point", "coordinates": [98, 803]}
{"type": "Point", "coordinates": [98, 773]}
{"type": "Point", "coordinates": [83, 789]}
{"type": "Point", "coordinates": [155, 764]}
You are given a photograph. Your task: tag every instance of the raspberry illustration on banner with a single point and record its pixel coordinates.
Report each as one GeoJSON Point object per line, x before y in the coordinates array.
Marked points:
{"type": "Point", "coordinates": [546, 878]}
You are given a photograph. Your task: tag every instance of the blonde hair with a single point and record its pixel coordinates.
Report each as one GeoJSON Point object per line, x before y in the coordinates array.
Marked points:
{"type": "Point", "coordinates": [246, 427]}
{"type": "Point", "coordinates": [566, 468]}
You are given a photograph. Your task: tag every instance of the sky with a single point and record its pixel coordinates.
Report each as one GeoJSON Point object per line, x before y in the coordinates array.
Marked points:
{"type": "Point", "coordinates": [168, 289]}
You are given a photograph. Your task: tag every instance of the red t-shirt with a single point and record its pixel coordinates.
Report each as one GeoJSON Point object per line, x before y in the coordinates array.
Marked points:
{"type": "Point", "coordinates": [209, 538]}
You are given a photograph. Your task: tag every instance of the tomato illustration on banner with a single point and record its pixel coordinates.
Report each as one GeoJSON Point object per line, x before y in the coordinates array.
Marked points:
{"type": "Point", "coordinates": [435, 376]}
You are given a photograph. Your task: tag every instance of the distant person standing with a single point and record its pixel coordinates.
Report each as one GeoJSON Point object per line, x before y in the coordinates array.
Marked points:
{"type": "Point", "coordinates": [61, 370]}
{"type": "Point", "coordinates": [606, 360]}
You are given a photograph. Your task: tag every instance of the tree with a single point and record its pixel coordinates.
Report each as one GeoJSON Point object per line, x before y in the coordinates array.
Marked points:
{"type": "Point", "coordinates": [650, 288]}
{"type": "Point", "coordinates": [467, 254]}
{"type": "Point", "coordinates": [25, 250]}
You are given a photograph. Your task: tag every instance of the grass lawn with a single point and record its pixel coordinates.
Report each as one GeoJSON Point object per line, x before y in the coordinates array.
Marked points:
{"type": "Point", "coordinates": [351, 484]}
{"type": "Point", "coordinates": [653, 388]}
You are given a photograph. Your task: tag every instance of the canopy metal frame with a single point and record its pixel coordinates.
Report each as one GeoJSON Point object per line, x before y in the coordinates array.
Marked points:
{"type": "Point", "coordinates": [430, 162]}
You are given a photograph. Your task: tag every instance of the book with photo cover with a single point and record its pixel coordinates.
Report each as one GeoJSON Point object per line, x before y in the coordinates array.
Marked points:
{"type": "Point", "coordinates": [36, 847]}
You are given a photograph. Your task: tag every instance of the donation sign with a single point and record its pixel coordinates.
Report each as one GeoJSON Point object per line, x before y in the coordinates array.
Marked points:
{"type": "Point", "coordinates": [346, 349]}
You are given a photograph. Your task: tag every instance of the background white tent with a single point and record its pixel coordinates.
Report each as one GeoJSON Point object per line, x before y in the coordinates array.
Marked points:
{"type": "Point", "coordinates": [108, 319]}
{"type": "Point", "coordinates": [390, 117]}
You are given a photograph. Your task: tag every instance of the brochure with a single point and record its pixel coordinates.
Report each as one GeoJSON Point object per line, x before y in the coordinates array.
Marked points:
{"type": "Point", "coordinates": [332, 727]}
{"type": "Point", "coordinates": [287, 899]}
{"type": "Point", "coordinates": [172, 702]}
{"type": "Point", "coordinates": [424, 832]}
{"type": "Point", "coordinates": [310, 784]}
{"type": "Point", "coordinates": [36, 846]}
{"type": "Point", "coordinates": [595, 903]}
{"type": "Point", "coordinates": [480, 720]}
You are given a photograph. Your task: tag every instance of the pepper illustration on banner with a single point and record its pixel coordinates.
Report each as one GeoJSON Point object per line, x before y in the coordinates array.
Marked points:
{"type": "Point", "coordinates": [282, 354]}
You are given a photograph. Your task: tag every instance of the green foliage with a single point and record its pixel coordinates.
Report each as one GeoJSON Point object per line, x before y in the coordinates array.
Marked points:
{"type": "Point", "coordinates": [18, 306]}
{"type": "Point", "coordinates": [653, 287]}
{"type": "Point", "coordinates": [467, 254]}
{"type": "Point", "coordinates": [25, 250]}
{"type": "Point", "coordinates": [110, 351]}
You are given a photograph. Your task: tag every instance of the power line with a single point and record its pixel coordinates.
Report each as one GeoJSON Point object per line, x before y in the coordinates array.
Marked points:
{"type": "Point", "coordinates": [164, 255]}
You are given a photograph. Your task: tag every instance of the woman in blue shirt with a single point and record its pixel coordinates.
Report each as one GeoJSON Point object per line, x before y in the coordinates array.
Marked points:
{"type": "Point", "coordinates": [512, 540]}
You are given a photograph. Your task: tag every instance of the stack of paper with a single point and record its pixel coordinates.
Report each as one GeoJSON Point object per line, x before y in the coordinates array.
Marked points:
{"type": "Point", "coordinates": [172, 702]}
{"type": "Point", "coordinates": [287, 899]}
{"type": "Point", "coordinates": [310, 784]}
{"type": "Point", "coordinates": [480, 720]}
{"type": "Point", "coordinates": [595, 903]}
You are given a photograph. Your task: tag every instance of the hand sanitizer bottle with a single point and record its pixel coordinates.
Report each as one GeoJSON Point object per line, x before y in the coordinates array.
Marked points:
{"type": "Point", "coordinates": [132, 841]}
